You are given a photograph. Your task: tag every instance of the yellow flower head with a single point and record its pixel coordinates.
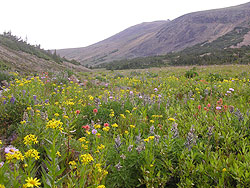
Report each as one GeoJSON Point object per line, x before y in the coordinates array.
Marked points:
{"type": "Point", "coordinates": [17, 155]}
{"type": "Point", "coordinates": [2, 186]}
{"type": "Point", "coordinates": [100, 147]}
{"type": "Point", "coordinates": [32, 182]}
{"type": "Point", "coordinates": [23, 122]}
{"type": "Point", "coordinates": [66, 117]}
{"type": "Point", "coordinates": [29, 139]}
{"type": "Point", "coordinates": [82, 139]}
{"type": "Point", "coordinates": [123, 116]}
{"type": "Point", "coordinates": [55, 124]}
{"type": "Point", "coordinates": [58, 153]}
{"type": "Point", "coordinates": [32, 153]}
{"type": "Point", "coordinates": [73, 164]}
{"type": "Point", "coordinates": [171, 119]}
{"type": "Point", "coordinates": [56, 114]}
{"type": "Point", "coordinates": [101, 186]}
{"type": "Point", "coordinates": [97, 126]}
{"type": "Point", "coordinates": [106, 129]}
{"type": "Point", "coordinates": [86, 158]}
{"type": "Point", "coordinates": [114, 125]}
{"type": "Point", "coordinates": [132, 126]}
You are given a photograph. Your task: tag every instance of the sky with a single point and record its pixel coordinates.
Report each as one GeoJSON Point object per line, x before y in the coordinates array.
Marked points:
{"type": "Point", "coordinates": [57, 24]}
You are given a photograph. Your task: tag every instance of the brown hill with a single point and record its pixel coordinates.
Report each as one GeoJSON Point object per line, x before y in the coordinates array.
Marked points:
{"type": "Point", "coordinates": [18, 60]}
{"type": "Point", "coordinates": [161, 37]}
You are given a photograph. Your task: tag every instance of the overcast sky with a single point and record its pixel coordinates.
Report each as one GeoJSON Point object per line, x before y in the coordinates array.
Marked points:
{"type": "Point", "coordinates": [57, 24]}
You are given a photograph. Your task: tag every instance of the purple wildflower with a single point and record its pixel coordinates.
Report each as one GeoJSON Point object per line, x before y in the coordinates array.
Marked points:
{"type": "Point", "coordinates": [10, 149]}
{"type": "Point", "coordinates": [94, 131]}
{"type": "Point", "coordinates": [12, 100]}
{"type": "Point", "coordinates": [231, 89]}
{"type": "Point", "coordinates": [218, 108]}
{"type": "Point", "coordinates": [47, 101]}
{"type": "Point", "coordinates": [34, 97]}
{"type": "Point", "coordinates": [155, 89]}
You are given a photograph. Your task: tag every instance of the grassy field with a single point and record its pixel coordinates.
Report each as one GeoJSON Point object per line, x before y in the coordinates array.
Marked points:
{"type": "Point", "coordinates": [159, 127]}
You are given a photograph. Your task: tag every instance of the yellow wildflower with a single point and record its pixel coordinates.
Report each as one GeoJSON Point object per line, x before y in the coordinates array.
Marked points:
{"type": "Point", "coordinates": [32, 153]}
{"type": "Point", "coordinates": [101, 186]}
{"type": "Point", "coordinates": [91, 98]}
{"type": "Point", "coordinates": [86, 158]}
{"type": "Point", "coordinates": [23, 122]}
{"type": "Point", "coordinates": [32, 182]}
{"type": "Point", "coordinates": [58, 153]}
{"type": "Point", "coordinates": [66, 117]}
{"type": "Point", "coordinates": [100, 147]}
{"type": "Point", "coordinates": [171, 119]}
{"type": "Point", "coordinates": [82, 139]}
{"type": "Point", "coordinates": [29, 139]}
{"type": "Point", "coordinates": [55, 124]}
{"type": "Point", "coordinates": [17, 155]}
{"type": "Point", "coordinates": [114, 125]}
{"type": "Point", "coordinates": [106, 129]}
{"type": "Point", "coordinates": [56, 114]}
{"type": "Point", "coordinates": [151, 137]}
{"type": "Point", "coordinates": [97, 126]}
{"type": "Point", "coordinates": [132, 126]}
{"type": "Point", "coordinates": [84, 146]}
{"type": "Point", "coordinates": [123, 116]}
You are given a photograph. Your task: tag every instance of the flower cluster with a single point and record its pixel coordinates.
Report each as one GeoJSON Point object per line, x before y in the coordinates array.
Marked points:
{"type": "Point", "coordinates": [32, 153]}
{"type": "Point", "coordinates": [55, 124]}
{"type": "Point", "coordinates": [86, 158]}
{"type": "Point", "coordinates": [29, 139]}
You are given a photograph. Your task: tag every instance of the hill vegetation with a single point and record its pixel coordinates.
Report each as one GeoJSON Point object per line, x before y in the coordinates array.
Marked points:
{"type": "Point", "coordinates": [17, 43]}
{"type": "Point", "coordinates": [220, 51]}
{"type": "Point", "coordinates": [17, 55]}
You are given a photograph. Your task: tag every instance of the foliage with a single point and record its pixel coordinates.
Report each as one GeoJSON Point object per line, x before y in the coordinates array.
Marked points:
{"type": "Point", "coordinates": [191, 73]}
{"type": "Point", "coordinates": [127, 129]}
{"type": "Point", "coordinates": [17, 43]}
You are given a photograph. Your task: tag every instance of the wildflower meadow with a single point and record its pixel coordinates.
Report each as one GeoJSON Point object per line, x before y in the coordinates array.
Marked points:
{"type": "Point", "coordinates": [146, 128]}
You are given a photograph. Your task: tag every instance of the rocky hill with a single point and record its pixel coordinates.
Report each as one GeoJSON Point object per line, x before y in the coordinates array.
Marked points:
{"type": "Point", "coordinates": [16, 54]}
{"type": "Point", "coordinates": [161, 37]}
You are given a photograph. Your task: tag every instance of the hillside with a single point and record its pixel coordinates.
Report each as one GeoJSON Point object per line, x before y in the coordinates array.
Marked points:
{"type": "Point", "coordinates": [158, 38]}
{"type": "Point", "coordinates": [16, 54]}
{"type": "Point", "coordinates": [227, 49]}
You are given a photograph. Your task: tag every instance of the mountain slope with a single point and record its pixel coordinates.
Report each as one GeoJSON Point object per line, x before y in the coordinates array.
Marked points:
{"type": "Point", "coordinates": [16, 54]}
{"type": "Point", "coordinates": [156, 38]}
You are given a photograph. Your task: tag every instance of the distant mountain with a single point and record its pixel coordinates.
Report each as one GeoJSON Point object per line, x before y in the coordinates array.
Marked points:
{"type": "Point", "coordinates": [161, 37]}
{"type": "Point", "coordinates": [16, 54]}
